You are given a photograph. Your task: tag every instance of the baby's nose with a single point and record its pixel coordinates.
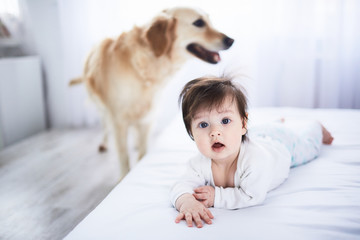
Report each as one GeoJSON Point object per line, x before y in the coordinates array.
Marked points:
{"type": "Point", "coordinates": [215, 133]}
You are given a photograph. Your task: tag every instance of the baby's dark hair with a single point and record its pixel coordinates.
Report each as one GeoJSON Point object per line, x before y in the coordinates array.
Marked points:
{"type": "Point", "coordinates": [210, 92]}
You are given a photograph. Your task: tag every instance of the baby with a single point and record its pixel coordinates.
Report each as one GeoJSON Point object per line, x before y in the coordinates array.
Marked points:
{"type": "Point", "coordinates": [235, 169]}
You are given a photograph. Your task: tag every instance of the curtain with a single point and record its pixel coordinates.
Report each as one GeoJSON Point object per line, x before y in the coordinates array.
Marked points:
{"type": "Point", "coordinates": [295, 53]}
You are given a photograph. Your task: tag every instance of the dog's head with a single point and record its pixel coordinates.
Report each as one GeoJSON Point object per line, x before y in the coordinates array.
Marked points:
{"type": "Point", "coordinates": [189, 30]}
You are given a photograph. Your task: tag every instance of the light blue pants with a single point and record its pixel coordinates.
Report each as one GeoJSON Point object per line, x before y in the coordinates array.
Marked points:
{"type": "Point", "coordinates": [303, 139]}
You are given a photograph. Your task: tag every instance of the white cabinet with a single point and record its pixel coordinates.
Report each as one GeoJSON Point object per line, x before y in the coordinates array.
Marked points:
{"type": "Point", "coordinates": [22, 111]}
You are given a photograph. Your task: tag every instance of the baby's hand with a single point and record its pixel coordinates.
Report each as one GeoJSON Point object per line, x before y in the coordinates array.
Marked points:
{"type": "Point", "coordinates": [192, 210]}
{"type": "Point", "coordinates": [205, 195]}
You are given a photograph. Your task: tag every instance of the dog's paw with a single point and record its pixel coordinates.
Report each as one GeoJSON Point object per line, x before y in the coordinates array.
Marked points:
{"type": "Point", "coordinates": [102, 148]}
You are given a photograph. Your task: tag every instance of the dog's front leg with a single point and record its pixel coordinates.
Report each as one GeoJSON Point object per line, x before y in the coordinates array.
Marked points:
{"type": "Point", "coordinates": [142, 132]}
{"type": "Point", "coordinates": [104, 143]}
{"type": "Point", "coordinates": [121, 136]}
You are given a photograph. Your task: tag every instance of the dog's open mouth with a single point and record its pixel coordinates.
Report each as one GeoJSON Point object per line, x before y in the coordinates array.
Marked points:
{"type": "Point", "coordinates": [203, 54]}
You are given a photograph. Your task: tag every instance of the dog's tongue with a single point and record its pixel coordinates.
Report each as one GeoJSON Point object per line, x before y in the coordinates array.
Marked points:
{"type": "Point", "coordinates": [215, 56]}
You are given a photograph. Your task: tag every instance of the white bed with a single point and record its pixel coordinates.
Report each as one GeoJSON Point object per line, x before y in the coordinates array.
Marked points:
{"type": "Point", "coordinates": [320, 200]}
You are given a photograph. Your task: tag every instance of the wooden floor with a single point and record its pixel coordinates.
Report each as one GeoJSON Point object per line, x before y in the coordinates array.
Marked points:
{"type": "Point", "coordinates": [51, 181]}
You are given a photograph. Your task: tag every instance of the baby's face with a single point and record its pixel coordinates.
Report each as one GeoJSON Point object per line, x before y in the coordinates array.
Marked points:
{"type": "Point", "coordinates": [218, 132]}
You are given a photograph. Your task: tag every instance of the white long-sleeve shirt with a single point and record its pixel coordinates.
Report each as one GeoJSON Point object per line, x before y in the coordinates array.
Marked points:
{"type": "Point", "coordinates": [263, 164]}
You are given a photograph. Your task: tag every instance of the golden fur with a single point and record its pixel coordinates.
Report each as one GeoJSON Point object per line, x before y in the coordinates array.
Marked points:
{"type": "Point", "coordinates": [123, 75]}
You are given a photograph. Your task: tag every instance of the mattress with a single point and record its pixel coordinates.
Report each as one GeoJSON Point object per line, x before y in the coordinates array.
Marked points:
{"type": "Point", "coordinates": [319, 200]}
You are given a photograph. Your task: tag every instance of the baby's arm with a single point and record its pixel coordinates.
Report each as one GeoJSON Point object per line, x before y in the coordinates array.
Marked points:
{"type": "Point", "coordinates": [192, 210]}
{"type": "Point", "coordinates": [229, 198]}
{"type": "Point", "coordinates": [206, 195]}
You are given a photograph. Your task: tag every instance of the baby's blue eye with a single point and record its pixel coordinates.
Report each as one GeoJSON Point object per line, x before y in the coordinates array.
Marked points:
{"type": "Point", "coordinates": [225, 121]}
{"type": "Point", "coordinates": [203, 125]}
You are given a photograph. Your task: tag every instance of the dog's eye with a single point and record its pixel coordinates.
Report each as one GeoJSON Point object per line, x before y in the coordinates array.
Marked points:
{"type": "Point", "coordinates": [199, 23]}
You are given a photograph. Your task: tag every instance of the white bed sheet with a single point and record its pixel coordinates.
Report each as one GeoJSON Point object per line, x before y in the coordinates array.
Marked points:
{"type": "Point", "coordinates": [319, 200]}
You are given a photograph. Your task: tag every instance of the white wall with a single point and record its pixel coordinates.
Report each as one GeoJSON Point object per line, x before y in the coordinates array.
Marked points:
{"type": "Point", "coordinates": [299, 53]}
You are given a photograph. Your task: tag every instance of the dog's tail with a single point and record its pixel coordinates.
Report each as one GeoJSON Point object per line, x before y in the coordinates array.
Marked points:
{"type": "Point", "coordinates": [76, 81]}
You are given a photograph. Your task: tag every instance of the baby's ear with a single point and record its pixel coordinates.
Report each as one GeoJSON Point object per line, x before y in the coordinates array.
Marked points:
{"type": "Point", "coordinates": [245, 119]}
{"type": "Point", "coordinates": [244, 123]}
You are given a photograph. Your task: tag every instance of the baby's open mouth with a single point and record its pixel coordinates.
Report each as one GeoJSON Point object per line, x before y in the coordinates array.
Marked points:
{"type": "Point", "coordinates": [217, 146]}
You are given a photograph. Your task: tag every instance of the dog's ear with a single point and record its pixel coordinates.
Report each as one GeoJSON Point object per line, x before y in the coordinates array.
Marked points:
{"type": "Point", "coordinates": [161, 35]}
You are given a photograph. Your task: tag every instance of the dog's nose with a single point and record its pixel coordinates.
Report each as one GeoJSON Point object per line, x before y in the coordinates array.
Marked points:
{"type": "Point", "coordinates": [228, 41]}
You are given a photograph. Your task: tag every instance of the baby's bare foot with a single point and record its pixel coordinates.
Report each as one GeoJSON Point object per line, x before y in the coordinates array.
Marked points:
{"type": "Point", "coordinates": [327, 138]}
{"type": "Point", "coordinates": [281, 120]}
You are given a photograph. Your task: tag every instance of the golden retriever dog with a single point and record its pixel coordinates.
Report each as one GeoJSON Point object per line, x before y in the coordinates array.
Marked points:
{"type": "Point", "coordinates": [123, 75]}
